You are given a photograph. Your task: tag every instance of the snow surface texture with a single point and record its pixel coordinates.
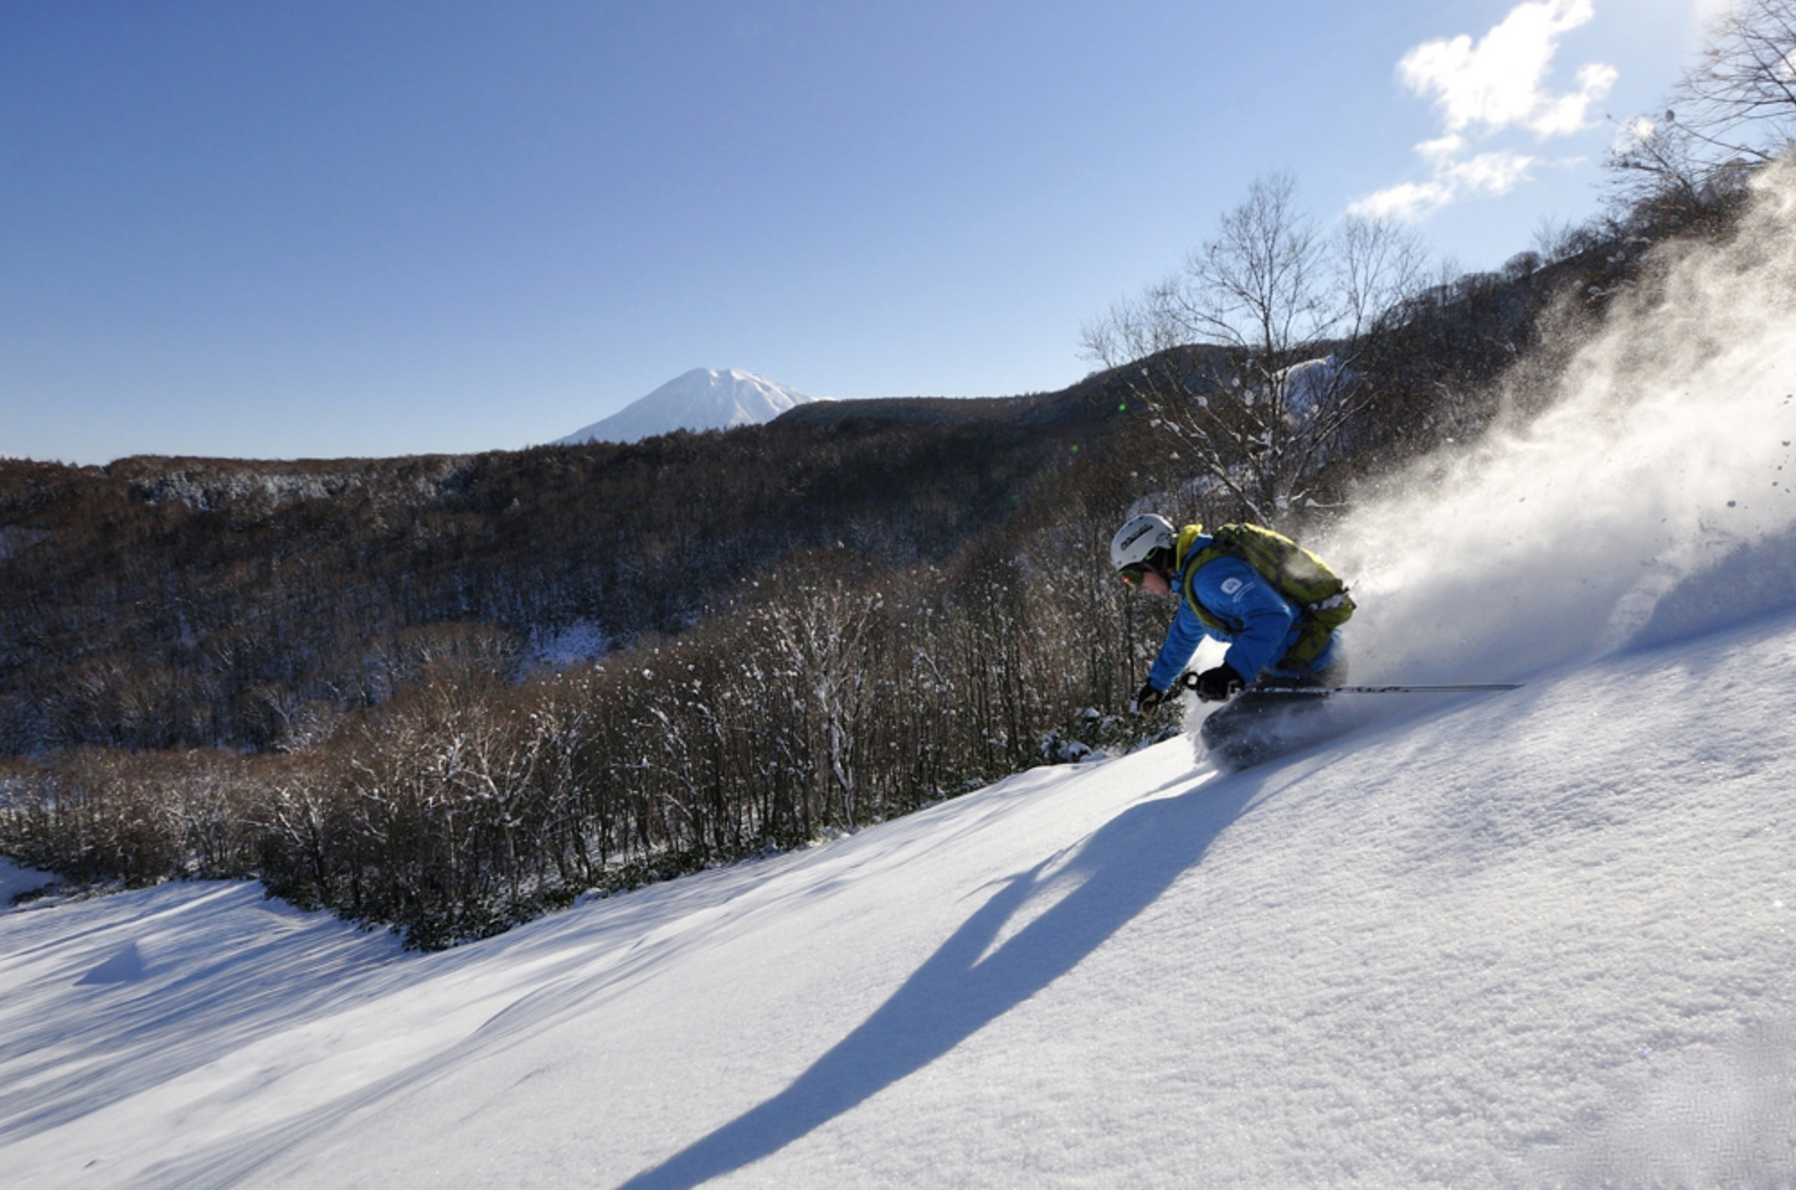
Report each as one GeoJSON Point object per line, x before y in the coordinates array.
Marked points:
{"type": "Point", "coordinates": [702, 399]}
{"type": "Point", "coordinates": [1541, 938]}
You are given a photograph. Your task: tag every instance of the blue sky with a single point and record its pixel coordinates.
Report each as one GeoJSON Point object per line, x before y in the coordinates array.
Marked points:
{"type": "Point", "coordinates": [365, 228]}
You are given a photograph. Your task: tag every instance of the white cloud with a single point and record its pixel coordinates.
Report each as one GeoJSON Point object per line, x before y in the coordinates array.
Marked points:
{"type": "Point", "coordinates": [1495, 85]}
{"type": "Point", "coordinates": [1491, 173]}
{"type": "Point", "coordinates": [1568, 113]}
{"type": "Point", "coordinates": [1487, 173]}
{"type": "Point", "coordinates": [1408, 200]}
{"type": "Point", "coordinates": [1444, 149]}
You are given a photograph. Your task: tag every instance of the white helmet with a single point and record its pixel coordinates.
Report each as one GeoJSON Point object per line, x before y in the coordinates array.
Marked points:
{"type": "Point", "coordinates": [1140, 539]}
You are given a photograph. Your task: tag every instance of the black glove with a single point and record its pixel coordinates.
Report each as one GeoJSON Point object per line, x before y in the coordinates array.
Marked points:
{"type": "Point", "coordinates": [1216, 685]}
{"type": "Point", "coordinates": [1146, 699]}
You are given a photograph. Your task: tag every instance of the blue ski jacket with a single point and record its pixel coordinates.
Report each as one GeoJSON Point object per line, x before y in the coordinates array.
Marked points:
{"type": "Point", "coordinates": [1261, 624]}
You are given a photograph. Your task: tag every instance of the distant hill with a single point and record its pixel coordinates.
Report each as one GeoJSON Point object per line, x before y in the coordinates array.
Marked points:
{"type": "Point", "coordinates": [702, 399]}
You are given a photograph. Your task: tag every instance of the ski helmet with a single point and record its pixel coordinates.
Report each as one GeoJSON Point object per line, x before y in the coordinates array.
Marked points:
{"type": "Point", "coordinates": [1137, 542]}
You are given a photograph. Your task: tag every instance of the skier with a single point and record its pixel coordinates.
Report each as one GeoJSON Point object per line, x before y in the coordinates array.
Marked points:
{"type": "Point", "coordinates": [1274, 604]}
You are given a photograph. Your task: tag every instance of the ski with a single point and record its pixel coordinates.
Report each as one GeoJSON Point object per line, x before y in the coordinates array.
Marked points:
{"type": "Point", "coordinates": [1462, 688]}
{"type": "Point", "coordinates": [1189, 681]}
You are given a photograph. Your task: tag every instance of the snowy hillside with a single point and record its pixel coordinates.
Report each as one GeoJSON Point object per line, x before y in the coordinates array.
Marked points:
{"type": "Point", "coordinates": [702, 399]}
{"type": "Point", "coordinates": [1542, 938]}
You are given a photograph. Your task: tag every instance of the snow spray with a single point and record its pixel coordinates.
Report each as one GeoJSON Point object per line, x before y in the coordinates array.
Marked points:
{"type": "Point", "coordinates": [1653, 499]}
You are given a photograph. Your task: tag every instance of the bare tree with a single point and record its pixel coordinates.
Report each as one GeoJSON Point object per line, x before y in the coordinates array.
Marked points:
{"type": "Point", "coordinates": [1254, 356]}
{"type": "Point", "coordinates": [1733, 111]}
{"type": "Point", "coordinates": [1741, 97]}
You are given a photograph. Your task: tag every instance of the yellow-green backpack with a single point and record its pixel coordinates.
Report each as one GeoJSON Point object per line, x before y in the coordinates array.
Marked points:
{"type": "Point", "coordinates": [1293, 571]}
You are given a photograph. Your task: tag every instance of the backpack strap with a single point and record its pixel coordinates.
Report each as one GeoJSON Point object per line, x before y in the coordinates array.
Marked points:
{"type": "Point", "coordinates": [1187, 564]}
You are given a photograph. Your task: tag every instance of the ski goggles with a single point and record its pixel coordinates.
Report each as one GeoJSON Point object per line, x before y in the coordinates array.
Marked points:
{"type": "Point", "coordinates": [1132, 574]}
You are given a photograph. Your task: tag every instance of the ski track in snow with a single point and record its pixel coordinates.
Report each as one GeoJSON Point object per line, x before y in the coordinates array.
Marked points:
{"type": "Point", "coordinates": [1542, 938]}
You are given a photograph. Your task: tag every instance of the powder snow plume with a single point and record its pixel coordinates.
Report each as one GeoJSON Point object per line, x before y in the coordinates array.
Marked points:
{"type": "Point", "coordinates": [1653, 499]}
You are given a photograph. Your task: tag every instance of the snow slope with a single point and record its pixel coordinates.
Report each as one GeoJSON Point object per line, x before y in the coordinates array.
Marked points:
{"type": "Point", "coordinates": [702, 399]}
{"type": "Point", "coordinates": [1542, 938]}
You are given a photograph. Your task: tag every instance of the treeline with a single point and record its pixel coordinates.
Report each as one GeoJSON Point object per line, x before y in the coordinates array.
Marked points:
{"type": "Point", "coordinates": [831, 693]}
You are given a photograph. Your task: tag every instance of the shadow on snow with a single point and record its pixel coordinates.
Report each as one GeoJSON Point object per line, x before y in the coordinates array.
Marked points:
{"type": "Point", "coordinates": [1125, 866]}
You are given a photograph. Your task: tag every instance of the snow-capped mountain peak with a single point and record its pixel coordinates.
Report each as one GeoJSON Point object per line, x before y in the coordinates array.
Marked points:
{"type": "Point", "coordinates": [702, 399]}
